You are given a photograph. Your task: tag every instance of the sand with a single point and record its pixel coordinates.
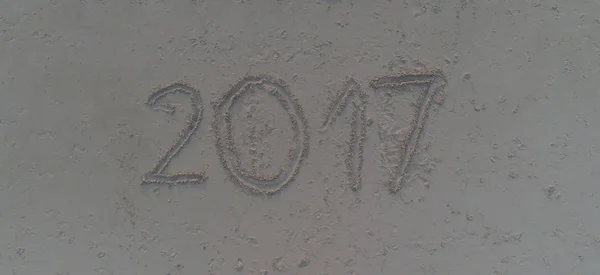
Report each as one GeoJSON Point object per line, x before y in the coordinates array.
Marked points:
{"type": "Point", "coordinates": [299, 137]}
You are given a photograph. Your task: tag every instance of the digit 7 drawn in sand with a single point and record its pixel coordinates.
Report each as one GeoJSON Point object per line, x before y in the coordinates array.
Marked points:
{"type": "Point", "coordinates": [354, 153]}
{"type": "Point", "coordinates": [434, 83]}
{"type": "Point", "coordinates": [157, 175]}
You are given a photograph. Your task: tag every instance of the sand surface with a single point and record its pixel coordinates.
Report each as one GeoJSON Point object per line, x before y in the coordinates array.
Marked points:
{"type": "Point", "coordinates": [318, 137]}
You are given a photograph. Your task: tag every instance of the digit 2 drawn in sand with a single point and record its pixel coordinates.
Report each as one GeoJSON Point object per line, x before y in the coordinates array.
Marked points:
{"type": "Point", "coordinates": [227, 150]}
{"type": "Point", "coordinates": [157, 174]}
{"type": "Point", "coordinates": [434, 82]}
{"type": "Point", "coordinates": [354, 152]}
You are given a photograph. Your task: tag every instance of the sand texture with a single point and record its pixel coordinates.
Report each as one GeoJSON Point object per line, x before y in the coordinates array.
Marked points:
{"type": "Point", "coordinates": [316, 137]}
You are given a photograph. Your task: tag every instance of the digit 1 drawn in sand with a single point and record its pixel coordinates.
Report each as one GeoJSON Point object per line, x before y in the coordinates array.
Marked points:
{"type": "Point", "coordinates": [157, 174]}
{"type": "Point", "coordinates": [227, 150]}
{"type": "Point", "coordinates": [354, 152]}
{"type": "Point", "coordinates": [434, 82]}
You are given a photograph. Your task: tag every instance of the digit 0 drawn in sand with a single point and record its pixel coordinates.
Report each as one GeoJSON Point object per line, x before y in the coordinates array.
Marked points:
{"type": "Point", "coordinates": [157, 174]}
{"type": "Point", "coordinates": [434, 82]}
{"type": "Point", "coordinates": [354, 152]}
{"type": "Point", "coordinates": [227, 149]}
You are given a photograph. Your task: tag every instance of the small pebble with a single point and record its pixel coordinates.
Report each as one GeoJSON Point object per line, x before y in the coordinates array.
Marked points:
{"type": "Point", "coordinates": [239, 265]}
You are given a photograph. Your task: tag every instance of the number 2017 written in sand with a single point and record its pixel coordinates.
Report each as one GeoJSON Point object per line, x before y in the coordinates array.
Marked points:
{"type": "Point", "coordinates": [351, 95]}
